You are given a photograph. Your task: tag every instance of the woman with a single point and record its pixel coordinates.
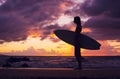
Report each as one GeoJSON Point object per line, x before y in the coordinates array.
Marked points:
{"type": "Point", "coordinates": [77, 50]}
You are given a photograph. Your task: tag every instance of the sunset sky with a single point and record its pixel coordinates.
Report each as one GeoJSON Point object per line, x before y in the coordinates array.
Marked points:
{"type": "Point", "coordinates": [26, 26]}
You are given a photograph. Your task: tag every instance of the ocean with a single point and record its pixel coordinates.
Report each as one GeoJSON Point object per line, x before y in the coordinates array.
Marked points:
{"type": "Point", "coordinates": [65, 62]}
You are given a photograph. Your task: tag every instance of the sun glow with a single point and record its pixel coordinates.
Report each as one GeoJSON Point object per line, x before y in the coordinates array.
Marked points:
{"type": "Point", "coordinates": [64, 19]}
{"type": "Point", "coordinates": [47, 47]}
{"type": "Point", "coordinates": [42, 47]}
{"type": "Point", "coordinates": [115, 44]}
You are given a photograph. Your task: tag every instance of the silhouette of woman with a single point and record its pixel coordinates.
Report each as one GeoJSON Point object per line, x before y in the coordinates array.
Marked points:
{"type": "Point", "coordinates": [77, 49]}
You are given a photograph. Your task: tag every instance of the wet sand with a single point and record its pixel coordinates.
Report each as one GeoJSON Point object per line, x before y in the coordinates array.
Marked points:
{"type": "Point", "coordinates": [57, 73]}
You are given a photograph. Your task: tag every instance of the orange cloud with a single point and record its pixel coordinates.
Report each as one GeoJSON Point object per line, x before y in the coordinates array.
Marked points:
{"type": "Point", "coordinates": [34, 33]}
{"type": "Point", "coordinates": [65, 5]}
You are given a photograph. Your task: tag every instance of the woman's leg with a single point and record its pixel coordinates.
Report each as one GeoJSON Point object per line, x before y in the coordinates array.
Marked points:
{"type": "Point", "coordinates": [78, 56]}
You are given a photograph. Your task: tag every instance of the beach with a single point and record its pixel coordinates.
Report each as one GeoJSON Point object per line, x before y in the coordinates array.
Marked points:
{"type": "Point", "coordinates": [58, 73]}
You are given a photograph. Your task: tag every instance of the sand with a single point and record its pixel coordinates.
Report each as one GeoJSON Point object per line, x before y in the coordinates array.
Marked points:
{"type": "Point", "coordinates": [57, 73]}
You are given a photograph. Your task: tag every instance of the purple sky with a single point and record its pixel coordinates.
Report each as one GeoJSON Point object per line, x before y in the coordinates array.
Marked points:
{"type": "Point", "coordinates": [17, 17]}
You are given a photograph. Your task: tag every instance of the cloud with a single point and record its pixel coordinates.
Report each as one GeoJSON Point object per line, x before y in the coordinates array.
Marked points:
{"type": "Point", "coordinates": [104, 18]}
{"type": "Point", "coordinates": [104, 28]}
{"type": "Point", "coordinates": [16, 17]}
{"type": "Point", "coordinates": [29, 52]}
{"type": "Point", "coordinates": [106, 7]}
{"type": "Point", "coordinates": [11, 28]}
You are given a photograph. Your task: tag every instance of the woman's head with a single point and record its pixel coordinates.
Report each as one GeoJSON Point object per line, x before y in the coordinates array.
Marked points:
{"type": "Point", "coordinates": [77, 20]}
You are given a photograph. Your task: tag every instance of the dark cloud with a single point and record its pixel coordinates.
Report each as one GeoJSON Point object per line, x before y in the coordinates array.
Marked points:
{"type": "Point", "coordinates": [17, 16]}
{"type": "Point", "coordinates": [11, 28]}
{"type": "Point", "coordinates": [104, 18]}
{"type": "Point", "coordinates": [105, 7]}
{"type": "Point", "coordinates": [104, 28]}
{"type": "Point", "coordinates": [35, 10]}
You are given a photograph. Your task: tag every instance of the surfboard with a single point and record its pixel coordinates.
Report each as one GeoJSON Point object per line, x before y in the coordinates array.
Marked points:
{"type": "Point", "coordinates": [85, 41]}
